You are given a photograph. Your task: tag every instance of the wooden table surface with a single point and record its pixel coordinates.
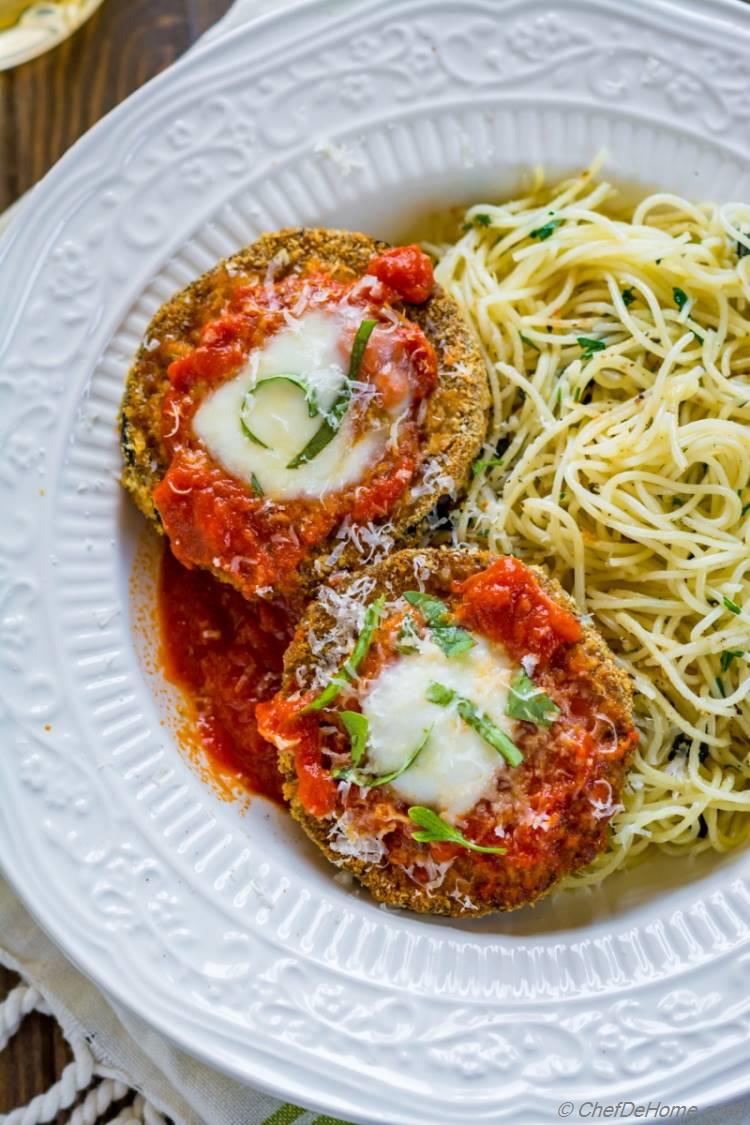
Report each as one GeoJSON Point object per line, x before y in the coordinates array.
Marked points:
{"type": "Point", "coordinates": [44, 107]}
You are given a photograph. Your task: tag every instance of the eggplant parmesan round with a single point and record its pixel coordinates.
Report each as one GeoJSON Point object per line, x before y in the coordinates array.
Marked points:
{"type": "Point", "coordinates": [301, 408]}
{"type": "Point", "coordinates": [451, 732]}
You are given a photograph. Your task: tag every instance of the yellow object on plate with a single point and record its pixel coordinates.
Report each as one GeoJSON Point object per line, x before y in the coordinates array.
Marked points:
{"type": "Point", "coordinates": [30, 27]}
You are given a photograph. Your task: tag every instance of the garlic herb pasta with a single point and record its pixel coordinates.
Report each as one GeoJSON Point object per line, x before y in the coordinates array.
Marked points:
{"type": "Point", "coordinates": [618, 349]}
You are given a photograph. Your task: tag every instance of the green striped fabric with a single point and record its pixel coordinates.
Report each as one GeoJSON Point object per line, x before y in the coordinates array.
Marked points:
{"type": "Point", "coordinates": [288, 1114]}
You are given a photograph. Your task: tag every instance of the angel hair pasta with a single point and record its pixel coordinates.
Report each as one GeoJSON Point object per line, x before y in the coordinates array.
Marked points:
{"type": "Point", "coordinates": [618, 347]}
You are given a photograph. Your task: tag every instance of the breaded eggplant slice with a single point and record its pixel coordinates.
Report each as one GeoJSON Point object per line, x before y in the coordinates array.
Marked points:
{"type": "Point", "coordinates": [550, 812]}
{"type": "Point", "coordinates": [456, 419]}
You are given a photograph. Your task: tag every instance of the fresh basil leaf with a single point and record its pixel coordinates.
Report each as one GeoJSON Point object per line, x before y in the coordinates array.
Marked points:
{"type": "Point", "coordinates": [357, 727]}
{"type": "Point", "coordinates": [529, 703]}
{"type": "Point", "coordinates": [371, 781]}
{"type": "Point", "coordinates": [483, 220]}
{"type": "Point", "coordinates": [451, 639]}
{"type": "Point", "coordinates": [348, 670]}
{"type": "Point", "coordinates": [432, 609]}
{"type": "Point", "coordinates": [477, 720]}
{"type": "Point", "coordinates": [440, 694]}
{"type": "Point", "coordinates": [334, 417]}
{"type": "Point", "coordinates": [628, 296]}
{"type": "Point", "coordinates": [437, 830]}
{"type": "Point", "coordinates": [257, 487]}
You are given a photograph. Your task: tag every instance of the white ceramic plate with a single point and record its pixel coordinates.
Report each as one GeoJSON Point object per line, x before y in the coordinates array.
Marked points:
{"type": "Point", "coordinates": [226, 931]}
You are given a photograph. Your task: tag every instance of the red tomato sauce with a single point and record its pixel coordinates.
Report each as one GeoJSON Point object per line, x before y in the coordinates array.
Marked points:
{"type": "Point", "coordinates": [225, 654]}
{"type": "Point", "coordinates": [507, 604]}
{"type": "Point", "coordinates": [213, 519]}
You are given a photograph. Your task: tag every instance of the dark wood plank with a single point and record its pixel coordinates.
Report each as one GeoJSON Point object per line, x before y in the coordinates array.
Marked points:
{"type": "Point", "coordinates": [47, 104]}
{"type": "Point", "coordinates": [44, 107]}
{"type": "Point", "coordinates": [204, 14]}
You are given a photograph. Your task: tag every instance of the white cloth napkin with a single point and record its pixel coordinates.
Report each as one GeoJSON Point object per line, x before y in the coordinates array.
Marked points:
{"type": "Point", "coordinates": [123, 1046]}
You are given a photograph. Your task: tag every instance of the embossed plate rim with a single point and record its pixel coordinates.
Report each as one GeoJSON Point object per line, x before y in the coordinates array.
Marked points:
{"type": "Point", "coordinates": [393, 1096]}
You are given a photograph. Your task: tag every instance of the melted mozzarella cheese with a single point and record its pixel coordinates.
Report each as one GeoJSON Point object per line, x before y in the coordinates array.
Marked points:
{"type": "Point", "coordinates": [309, 347]}
{"type": "Point", "coordinates": [456, 767]}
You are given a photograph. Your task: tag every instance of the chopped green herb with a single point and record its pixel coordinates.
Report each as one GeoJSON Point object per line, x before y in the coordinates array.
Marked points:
{"type": "Point", "coordinates": [628, 296]}
{"type": "Point", "coordinates": [447, 636]}
{"type": "Point", "coordinates": [407, 639]}
{"type": "Point", "coordinates": [745, 508]}
{"type": "Point", "coordinates": [542, 233]}
{"type": "Point", "coordinates": [698, 336]}
{"type": "Point", "coordinates": [589, 346]}
{"type": "Point", "coordinates": [742, 249]}
{"type": "Point", "coordinates": [727, 658]}
{"type": "Point", "coordinates": [488, 463]}
{"type": "Point", "coordinates": [348, 670]}
{"type": "Point", "coordinates": [483, 220]}
{"type": "Point", "coordinates": [432, 609]}
{"type": "Point", "coordinates": [678, 501]}
{"type": "Point", "coordinates": [680, 297]}
{"type": "Point", "coordinates": [257, 487]}
{"type": "Point", "coordinates": [438, 831]}
{"type": "Point", "coordinates": [477, 720]}
{"type": "Point", "coordinates": [529, 703]}
{"type": "Point", "coordinates": [357, 727]}
{"type": "Point", "coordinates": [730, 605]}
{"type": "Point", "coordinates": [334, 417]}
{"type": "Point", "coordinates": [529, 343]}
{"type": "Point", "coordinates": [720, 686]}
{"type": "Point", "coordinates": [577, 394]}
{"type": "Point", "coordinates": [452, 639]}
{"type": "Point", "coordinates": [371, 781]}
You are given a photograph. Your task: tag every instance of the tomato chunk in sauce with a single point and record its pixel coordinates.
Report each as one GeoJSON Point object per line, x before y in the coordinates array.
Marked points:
{"type": "Point", "coordinates": [407, 271]}
{"type": "Point", "coordinates": [506, 603]}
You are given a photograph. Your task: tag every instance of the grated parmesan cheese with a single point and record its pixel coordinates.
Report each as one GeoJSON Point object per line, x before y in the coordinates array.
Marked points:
{"type": "Point", "coordinates": [421, 570]}
{"type": "Point", "coordinates": [607, 807]}
{"type": "Point", "coordinates": [435, 872]}
{"type": "Point", "coordinates": [347, 608]}
{"type": "Point", "coordinates": [372, 541]}
{"type": "Point", "coordinates": [463, 900]}
{"type": "Point", "coordinates": [434, 478]}
{"type": "Point", "coordinates": [345, 841]}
